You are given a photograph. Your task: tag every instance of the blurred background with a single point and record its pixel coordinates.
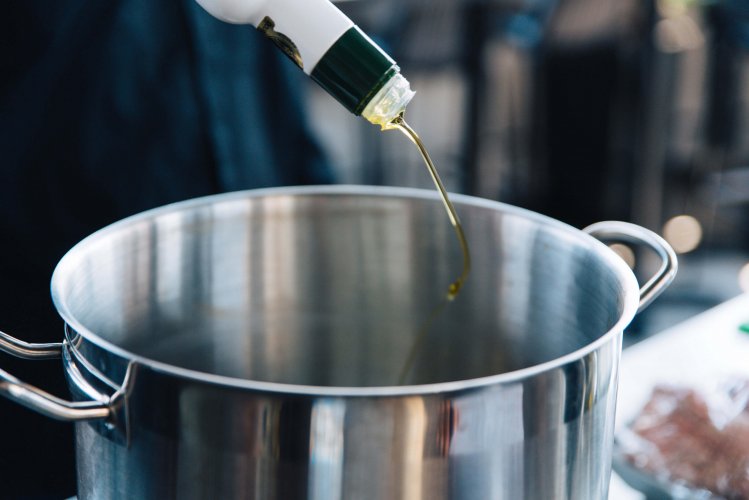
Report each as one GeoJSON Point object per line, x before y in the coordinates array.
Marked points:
{"type": "Point", "coordinates": [584, 110]}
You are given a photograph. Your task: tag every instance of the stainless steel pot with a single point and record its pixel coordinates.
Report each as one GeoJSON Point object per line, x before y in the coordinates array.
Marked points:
{"type": "Point", "coordinates": [247, 346]}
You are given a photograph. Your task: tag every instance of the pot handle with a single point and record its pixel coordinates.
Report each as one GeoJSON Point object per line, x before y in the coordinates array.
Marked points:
{"type": "Point", "coordinates": [37, 399]}
{"type": "Point", "coordinates": [624, 232]}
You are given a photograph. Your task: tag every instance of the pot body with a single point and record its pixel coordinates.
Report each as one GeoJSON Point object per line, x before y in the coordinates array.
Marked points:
{"type": "Point", "coordinates": [255, 342]}
{"type": "Point", "coordinates": [549, 436]}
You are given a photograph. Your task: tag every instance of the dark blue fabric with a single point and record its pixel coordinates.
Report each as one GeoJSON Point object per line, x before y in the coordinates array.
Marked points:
{"type": "Point", "coordinates": [108, 108]}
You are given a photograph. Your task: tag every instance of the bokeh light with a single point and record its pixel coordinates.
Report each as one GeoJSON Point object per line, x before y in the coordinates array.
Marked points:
{"type": "Point", "coordinates": [683, 233]}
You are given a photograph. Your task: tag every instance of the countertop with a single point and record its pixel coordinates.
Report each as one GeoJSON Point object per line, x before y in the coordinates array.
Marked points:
{"type": "Point", "coordinates": [700, 352]}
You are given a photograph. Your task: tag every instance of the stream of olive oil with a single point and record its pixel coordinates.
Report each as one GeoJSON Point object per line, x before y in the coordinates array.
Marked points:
{"type": "Point", "coordinates": [399, 123]}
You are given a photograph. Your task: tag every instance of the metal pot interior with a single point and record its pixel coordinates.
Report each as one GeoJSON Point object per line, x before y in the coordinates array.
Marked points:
{"type": "Point", "coordinates": [331, 286]}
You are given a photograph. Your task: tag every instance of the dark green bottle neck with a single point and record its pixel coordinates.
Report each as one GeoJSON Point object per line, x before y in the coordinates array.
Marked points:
{"type": "Point", "coordinates": [353, 70]}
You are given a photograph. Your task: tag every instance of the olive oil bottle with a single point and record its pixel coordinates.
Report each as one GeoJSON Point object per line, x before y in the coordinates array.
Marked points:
{"type": "Point", "coordinates": [329, 48]}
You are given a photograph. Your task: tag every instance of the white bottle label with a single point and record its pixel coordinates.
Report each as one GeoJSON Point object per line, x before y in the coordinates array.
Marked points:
{"type": "Point", "coordinates": [234, 11]}
{"type": "Point", "coordinates": [312, 25]}
{"type": "Point", "coordinates": [309, 27]}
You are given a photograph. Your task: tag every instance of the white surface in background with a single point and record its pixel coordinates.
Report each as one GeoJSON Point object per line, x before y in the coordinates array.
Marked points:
{"type": "Point", "coordinates": [700, 352]}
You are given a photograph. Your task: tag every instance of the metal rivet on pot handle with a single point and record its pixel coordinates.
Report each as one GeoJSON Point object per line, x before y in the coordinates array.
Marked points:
{"type": "Point", "coordinates": [624, 232]}
{"type": "Point", "coordinates": [36, 399]}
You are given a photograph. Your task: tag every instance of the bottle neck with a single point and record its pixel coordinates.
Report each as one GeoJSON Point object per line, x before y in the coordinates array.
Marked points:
{"type": "Point", "coordinates": [354, 70]}
{"type": "Point", "coordinates": [389, 102]}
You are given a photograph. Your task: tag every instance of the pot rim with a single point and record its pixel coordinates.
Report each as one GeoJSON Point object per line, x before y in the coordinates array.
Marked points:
{"type": "Point", "coordinates": [630, 287]}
